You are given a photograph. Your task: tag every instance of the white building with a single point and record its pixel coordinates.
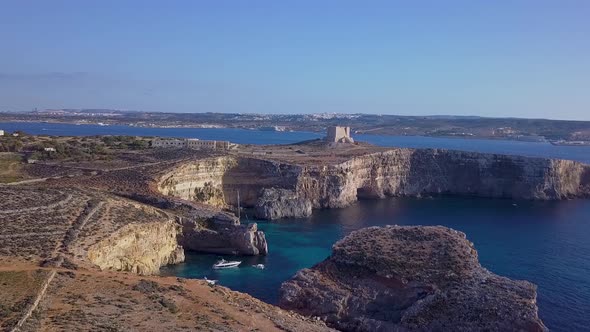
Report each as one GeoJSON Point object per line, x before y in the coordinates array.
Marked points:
{"type": "Point", "coordinates": [191, 143]}
{"type": "Point", "coordinates": [168, 143]}
{"type": "Point", "coordinates": [49, 149]}
{"type": "Point", "coordinates": [1, 132]}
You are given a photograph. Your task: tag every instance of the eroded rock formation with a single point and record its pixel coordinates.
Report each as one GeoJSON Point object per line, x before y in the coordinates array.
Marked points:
{"type": "Point", "coordinates": [139, 248]}
{"type": "Point", "coordinates": [222, 234]}
{"type": "Point", "coordinates": [410, 278]}
{"type": "Point", "coordinates": [218, 181]}
{"type": "Point", "coordinates": [278, 203]}
{"type": "Point", "coordinates": [395, 172]}
{"type": "Point", "coordinates": [199, 181]}
{"type": "Point", "coordinates": [409, 172]}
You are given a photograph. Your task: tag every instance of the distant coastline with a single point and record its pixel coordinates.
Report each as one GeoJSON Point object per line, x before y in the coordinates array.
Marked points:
{"type": "Point", "coordinates": [515, 129]}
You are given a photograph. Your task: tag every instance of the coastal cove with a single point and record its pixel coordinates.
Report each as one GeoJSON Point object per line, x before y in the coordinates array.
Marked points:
{"type": "Point", "coordinates": [544, 242]}
{"type": "Point", "coordinates": [540, 241]}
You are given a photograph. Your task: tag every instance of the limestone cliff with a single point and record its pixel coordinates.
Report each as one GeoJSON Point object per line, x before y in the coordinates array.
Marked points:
{"type": "Point", "coordinates": [217, 180]}
{"type": "Point", "coordinates": [199, 181]}
{"type": "Point", "coordinates": [222, 234]}
{"type": "Point", "coordinates": [409, 172]}
{"type": "Point", "coordinates": [395, 172]}
{"type": "Point", "coordinates": [139, 248]}
{"type": "Point", "coordinates": [411, 278]}
{"type": "Point", "coordinates": [278, 203]}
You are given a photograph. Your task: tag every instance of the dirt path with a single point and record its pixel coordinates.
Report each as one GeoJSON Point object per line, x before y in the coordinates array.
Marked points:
{"type": "Point", "coordinates": [42, 207]}
{"type": "Point", "coordinates": [35, 304]}
{"type": "Point", "coordinates": [10, 236]}
{"type": "Point", "coordinates": [17, 183]}
{"type": "Point", "coordinates": [71, 236]}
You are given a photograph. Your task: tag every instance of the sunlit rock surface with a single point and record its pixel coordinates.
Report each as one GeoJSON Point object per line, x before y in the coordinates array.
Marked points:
{"type": "Point", "coordinates": [410, 278]}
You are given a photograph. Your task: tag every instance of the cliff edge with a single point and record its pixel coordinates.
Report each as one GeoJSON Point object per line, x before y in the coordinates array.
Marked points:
{"type": "Point", "coordinates": [282, 185]}
{"type": "Point", "coordinates": [421, 278]}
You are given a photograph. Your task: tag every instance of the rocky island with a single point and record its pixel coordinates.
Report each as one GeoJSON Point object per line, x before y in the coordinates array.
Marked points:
{"type": "Point", "coordinates": [413, 278]}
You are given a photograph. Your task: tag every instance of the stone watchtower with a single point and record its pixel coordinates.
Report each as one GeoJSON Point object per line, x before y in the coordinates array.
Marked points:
{"type": "Point", "coordinates": [339, 135]}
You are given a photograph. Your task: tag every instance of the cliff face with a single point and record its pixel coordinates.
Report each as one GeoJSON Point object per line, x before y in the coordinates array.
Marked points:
{"type": "Point", "coordinates": [284, 190]}
{"type": "Point", "coordinates": [222, 234]}
{"type": "Point", "coordinates": [139, 248]}
{"type": "Point", "coordinates": [408, 172]}
{"type": "Point", "coordinates": [199, 181]}
{"type": "Point", "coordinates": [217, 180]}
{"type": "Point", "coordinates": [410, 278]}
{"type": "Point", "coordinates": [278, 203]}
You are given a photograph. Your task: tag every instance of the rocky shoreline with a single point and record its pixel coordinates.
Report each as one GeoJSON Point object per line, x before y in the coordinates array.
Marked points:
{"type": "Point", "coordinates": [377, 279]}
{"type": "Point", "coordinates": [279, 189]}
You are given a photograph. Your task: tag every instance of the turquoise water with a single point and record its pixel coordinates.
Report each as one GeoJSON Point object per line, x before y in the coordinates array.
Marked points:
{"type": "Point", "coordinates": [543, 242]}
{"type": "Point", "coordinates": [243, 136]}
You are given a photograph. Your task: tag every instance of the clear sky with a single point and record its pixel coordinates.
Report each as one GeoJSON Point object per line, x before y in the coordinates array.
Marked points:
{"type": "Point", "coordinates": [524, 58]}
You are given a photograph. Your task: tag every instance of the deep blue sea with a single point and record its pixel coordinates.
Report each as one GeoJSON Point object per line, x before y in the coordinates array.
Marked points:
{"type": "Point", "coordinates": [547, 243]}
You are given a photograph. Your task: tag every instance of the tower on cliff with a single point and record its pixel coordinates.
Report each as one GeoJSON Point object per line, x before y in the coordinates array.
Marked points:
{"type": "Point", "coordinates": [338, 134]}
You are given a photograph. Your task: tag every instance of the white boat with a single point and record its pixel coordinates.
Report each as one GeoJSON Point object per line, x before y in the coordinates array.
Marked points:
{"type": "Point", "coordinates": [223, 264]}
{"type": "Point", "coordinates": [259, 266]}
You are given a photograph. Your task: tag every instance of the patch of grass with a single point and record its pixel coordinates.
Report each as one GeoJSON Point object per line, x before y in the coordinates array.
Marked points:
{"type": "Point", "coordinates": [11, 165]}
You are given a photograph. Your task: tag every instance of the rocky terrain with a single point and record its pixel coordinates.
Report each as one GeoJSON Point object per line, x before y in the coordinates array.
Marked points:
{"type": "Point", "coordinates": [115, 233]}
{"type": "Point", "coordinates": [75, 260]}
{"type": "Point", "coordinates": [287, 184]}
{"type": "Point", "coordinates": [278, 203]}
{"type": "Point", "coordinates": [423, 172]}
{"type": "Point", "coordinates": [222, 233]}
{"type": "Point", "coordinates": [412, 278]}
{"type": "Point", "coordinates": [39, 299]}
{"type": "Point", "coordinates": [83, 240]}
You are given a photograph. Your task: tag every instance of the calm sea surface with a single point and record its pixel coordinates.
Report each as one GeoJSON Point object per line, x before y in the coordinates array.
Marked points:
{"type": "Point", "coordinates": [244, 136]}
{"type": "Point", "coordinates": [547, 243]}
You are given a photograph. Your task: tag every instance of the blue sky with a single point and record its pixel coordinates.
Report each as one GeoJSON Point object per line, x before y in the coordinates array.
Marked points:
{"type": "Point", "coordinates": [526, 58]}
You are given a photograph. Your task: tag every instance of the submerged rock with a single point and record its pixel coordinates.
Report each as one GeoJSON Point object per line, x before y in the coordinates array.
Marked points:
{"type": "Point", "coordinates": [280, 203]}
{"type": "Point", "coordinates": [422, 278]}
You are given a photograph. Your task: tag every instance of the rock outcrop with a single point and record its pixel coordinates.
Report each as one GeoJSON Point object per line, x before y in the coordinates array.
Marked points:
{"type": "Point", "coordinates": [266, 184]}
{"type": "Point", "coordinates": [222, 234]}
{"type": "Point", "coordinates": [199, 181]}
{"type": "Point", "coordinates": [218, 180]}
{"type": "Point", "coordinates": [410, 278]}
{"type": "Point", "coordinates": [280, 203]}
{"type": "Point", "coordinates": [139, 248]}
{"type": "Point", "coordinates": [419, 172]}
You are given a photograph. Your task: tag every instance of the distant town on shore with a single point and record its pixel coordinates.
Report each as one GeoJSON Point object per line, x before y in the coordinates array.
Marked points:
{"type": "Point", "coordinates": [565, 132]}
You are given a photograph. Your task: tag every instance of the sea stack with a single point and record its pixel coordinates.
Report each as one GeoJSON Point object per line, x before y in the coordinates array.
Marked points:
{"type": "Point", "coordinates": [408, 278]}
